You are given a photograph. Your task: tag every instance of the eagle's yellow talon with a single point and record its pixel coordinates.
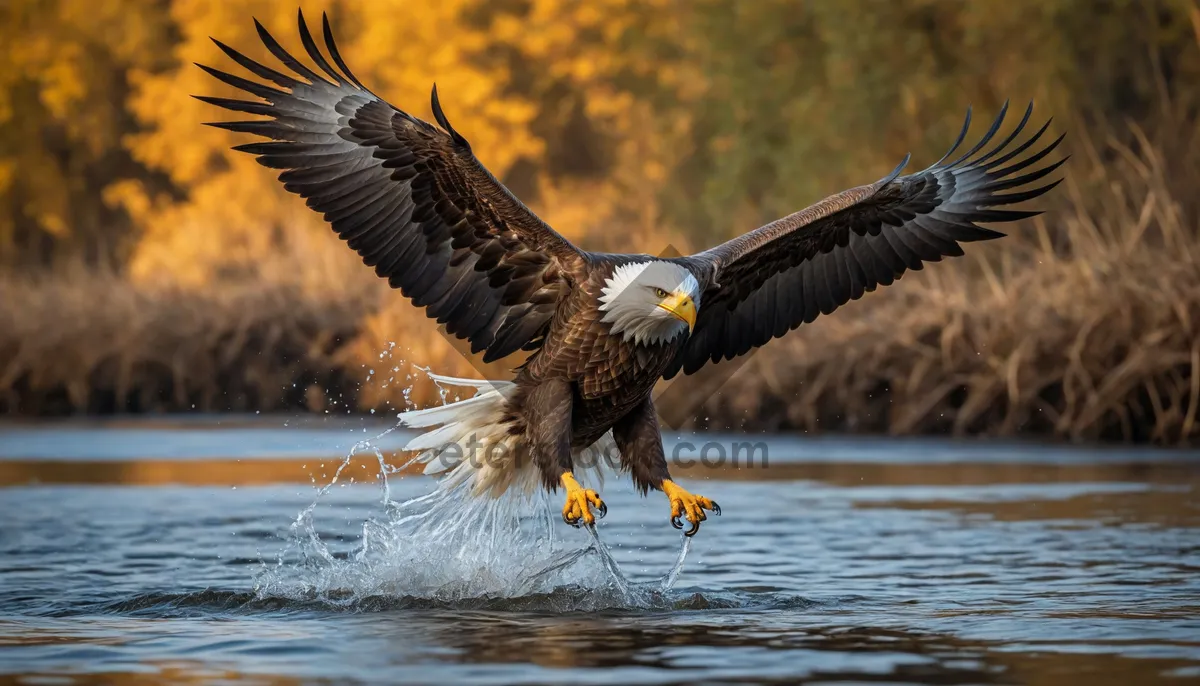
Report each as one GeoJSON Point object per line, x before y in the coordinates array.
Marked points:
{"type": "Point", "coordinates": [691, 507]}
{"type": "Point", "coordinates": [580, 500]}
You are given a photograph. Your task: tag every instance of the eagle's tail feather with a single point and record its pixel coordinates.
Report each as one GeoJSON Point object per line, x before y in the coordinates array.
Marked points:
{"type": "Point", "coordinates": [467, 383]}
{"type": "Point", "coordinates": [470, 440]}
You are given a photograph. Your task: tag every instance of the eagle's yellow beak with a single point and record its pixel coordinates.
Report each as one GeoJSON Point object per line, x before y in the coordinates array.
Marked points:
{"type": "Point", "coordinates": [682, 307]}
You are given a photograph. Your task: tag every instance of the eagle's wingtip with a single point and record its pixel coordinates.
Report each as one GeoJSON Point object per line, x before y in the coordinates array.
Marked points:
{"type": "Point", "coordinates": [895, 172]}
{"type": "Point", "coordinates": [436, 105]}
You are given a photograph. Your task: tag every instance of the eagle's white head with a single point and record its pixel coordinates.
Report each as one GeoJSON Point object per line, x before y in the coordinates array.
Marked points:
{"type": "Point", "coordinates": [650, 302]}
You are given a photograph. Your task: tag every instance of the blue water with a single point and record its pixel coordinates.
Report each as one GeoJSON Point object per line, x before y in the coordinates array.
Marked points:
{"type": "Point", "coordinates": [866, 561]}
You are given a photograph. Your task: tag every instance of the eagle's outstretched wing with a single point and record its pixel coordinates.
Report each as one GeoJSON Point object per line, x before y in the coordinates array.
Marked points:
{"type": "Point", "coordinates": [769, 281]}
{"type": "Point", "coordinates": [410, 198]}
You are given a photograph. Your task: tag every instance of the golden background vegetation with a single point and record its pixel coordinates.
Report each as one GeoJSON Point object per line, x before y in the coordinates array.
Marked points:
{"type": "Point", "coordinates": [147, 267]}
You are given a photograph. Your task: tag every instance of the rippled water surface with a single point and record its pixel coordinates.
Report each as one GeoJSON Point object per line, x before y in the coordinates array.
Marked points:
{"type": "Point", "coordinates": [131, 553]}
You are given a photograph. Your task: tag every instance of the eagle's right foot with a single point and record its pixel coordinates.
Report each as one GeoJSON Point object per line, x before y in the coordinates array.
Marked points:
{"type": "Point", "coordinates": [576, 510]}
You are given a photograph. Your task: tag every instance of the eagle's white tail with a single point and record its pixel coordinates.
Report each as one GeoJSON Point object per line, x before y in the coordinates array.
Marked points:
{"type": "Point", "coordinates": [470, 443]}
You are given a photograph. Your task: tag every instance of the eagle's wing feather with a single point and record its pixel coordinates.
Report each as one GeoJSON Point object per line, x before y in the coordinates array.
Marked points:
{"type": "Point", "coordinates": [410, 198]}
{"type": "Point", "coordinates": [786, 273]}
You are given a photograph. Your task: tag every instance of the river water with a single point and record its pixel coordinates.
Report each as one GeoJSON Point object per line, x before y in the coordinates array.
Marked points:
{"type": "Point", "coordinates": [169, 552]}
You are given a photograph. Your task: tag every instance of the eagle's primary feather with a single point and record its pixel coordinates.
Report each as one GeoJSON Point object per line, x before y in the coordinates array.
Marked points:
{"type": "Point", "coordinates": [413, 201]}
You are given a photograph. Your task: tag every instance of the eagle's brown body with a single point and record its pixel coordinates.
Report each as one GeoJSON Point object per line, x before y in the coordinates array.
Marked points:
{"type": "Point", "coordinates": [415, 203]}
{"type": "Point", "coordinates": [606, 378]}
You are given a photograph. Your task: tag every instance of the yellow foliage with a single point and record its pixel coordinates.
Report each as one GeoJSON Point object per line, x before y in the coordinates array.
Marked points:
{"type": "Point", "coordinates": [62, 112]}
{"type": "Point", "coordinates": [677, 122]}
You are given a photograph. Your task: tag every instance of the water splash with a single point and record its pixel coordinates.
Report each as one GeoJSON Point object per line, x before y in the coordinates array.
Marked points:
{"type": "Point", "coordinates": [449, 546]}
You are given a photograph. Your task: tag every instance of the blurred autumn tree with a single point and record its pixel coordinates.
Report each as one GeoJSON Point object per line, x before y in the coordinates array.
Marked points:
{"type": "Point", "coordinates": [678, 122]}
{"type": "Point", "coordinates": [67, 69]}
{"type": "Point", "coordinates": [805, 103]}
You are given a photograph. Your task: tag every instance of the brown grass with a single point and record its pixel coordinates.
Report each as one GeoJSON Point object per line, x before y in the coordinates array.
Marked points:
{"type": "Point", "coordinates": [96, 343]}
{"type": "Point", "coordinates": [1080, 326]}
{"type": "Point", "coordinates": [308, 328]}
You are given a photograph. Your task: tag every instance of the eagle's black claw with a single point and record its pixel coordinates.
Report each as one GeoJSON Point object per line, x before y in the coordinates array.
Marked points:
{"type": "Point", "coordinates": [676, 523]}
{"type": "Point", "coordinates": [716, 509]}
{"type": "Point", "coordinates": [602, 511]}
{"type": "Point", "coordinates": [692, 531]}
{"type": "Point", "coordinates": [572, 522]}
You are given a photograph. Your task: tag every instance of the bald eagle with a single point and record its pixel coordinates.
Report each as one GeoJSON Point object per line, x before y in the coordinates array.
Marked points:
{"type": "Point", "coordinates": [601, 329]}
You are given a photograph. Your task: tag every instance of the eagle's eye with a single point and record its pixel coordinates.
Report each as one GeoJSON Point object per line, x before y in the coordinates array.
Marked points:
{"type": "Point", "coordinates": [660, 293]}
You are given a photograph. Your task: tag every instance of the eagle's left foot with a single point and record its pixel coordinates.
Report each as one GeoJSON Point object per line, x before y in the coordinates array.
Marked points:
{"type": "Point", "coordinates": [687, 505]}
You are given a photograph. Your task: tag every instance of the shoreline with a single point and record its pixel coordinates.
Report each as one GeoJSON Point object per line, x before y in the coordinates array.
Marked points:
{"type": "Point", "coordinates": [798, 446]}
